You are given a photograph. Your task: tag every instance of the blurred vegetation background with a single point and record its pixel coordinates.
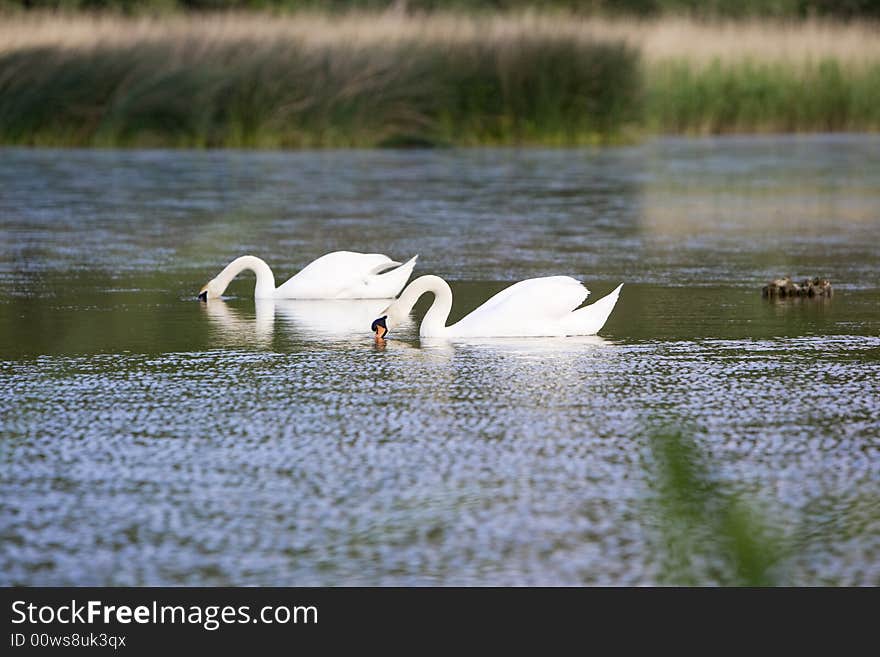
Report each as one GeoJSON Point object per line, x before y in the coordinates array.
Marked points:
{"type": "Point", "coordinates": [705, 8]}
{"type": "Point", "coordinates": [709, 535]}
{"type": "Point", "coordinates": [367, 73]}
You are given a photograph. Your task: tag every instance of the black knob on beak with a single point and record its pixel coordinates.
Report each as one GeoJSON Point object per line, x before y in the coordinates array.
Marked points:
{"type": "Point", "coordinates": [377, 323]}
{"type": "Point", "coordinates": [203, 296]}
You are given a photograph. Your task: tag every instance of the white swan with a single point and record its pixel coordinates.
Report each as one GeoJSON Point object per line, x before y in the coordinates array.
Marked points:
{"type": "Point", "coordinates": [337, 275]}
{"type": "Point", "coordinates": [534, 307]}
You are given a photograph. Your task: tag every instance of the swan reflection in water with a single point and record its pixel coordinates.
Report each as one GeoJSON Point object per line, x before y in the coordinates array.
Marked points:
{"type": "Point", "coordinates": [234, 329]}
{"type": "Point", "coordinates": [510, 371]}
{"type": "Point", "coordinates": [528, 346]}
{"type": "Point", "coordinates": [320, 319]}
{"type": "Point", "coordinates": [518, 373]}
{"type": "Point", "coordinates": [349, 320]}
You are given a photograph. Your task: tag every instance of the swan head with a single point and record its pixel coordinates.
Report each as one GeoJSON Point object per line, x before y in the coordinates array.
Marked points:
{"type": "Point", "coordinates": [389, 319]}
{"type": "Point", "coordinates": [210, 290]}
{"type": "Point", "coordinates": [379, 327]}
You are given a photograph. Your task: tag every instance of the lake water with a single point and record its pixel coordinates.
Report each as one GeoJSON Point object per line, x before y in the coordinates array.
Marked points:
{"type": "Point", "coordinates": [148, 438]}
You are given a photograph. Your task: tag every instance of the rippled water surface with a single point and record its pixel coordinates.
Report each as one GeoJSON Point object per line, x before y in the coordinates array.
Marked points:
{"type": "Point", "coordinates": [148, 438]}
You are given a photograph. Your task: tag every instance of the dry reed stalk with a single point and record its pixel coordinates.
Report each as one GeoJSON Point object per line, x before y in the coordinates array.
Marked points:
{"type": "Point", "coordinates": [659, 39]}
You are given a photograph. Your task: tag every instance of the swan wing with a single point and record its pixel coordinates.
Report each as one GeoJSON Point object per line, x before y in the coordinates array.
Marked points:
{"type": "Point", "coordinates": [342, 275]}
{"type": "Point", "coordinates": [590, 319]}
{"type": "Point", "coordinates": [536, 306]}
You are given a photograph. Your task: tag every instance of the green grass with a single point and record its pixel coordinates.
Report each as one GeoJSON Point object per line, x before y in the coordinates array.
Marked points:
{"type": "Point", "coordinates": [709, 535]}
{"type": "Point", "coordinates": [255, 94]}
{"type": "Point", "coordinates": [750, 96]}
{"type": "Point", "coordinates": [368, 80]}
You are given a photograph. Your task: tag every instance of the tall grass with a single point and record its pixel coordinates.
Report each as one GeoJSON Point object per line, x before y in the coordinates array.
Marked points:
{"type": "Point", "coordinates": [755, 96]}
{"type": "Point", "coordinates": [388, 79]}
{"type": "Point", "coordinates": [193, 86]}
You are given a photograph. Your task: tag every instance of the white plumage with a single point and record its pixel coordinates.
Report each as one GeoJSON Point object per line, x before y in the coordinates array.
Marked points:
{"type": "Point", "coordinates": [337, 275]}
{"type": "Point", "coordinates": [534, 307]}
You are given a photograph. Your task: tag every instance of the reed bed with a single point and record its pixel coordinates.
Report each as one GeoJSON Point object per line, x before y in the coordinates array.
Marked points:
{"type": "Point", "coordinates": [822, 95]}
{"type": "Point", "coordinates": [314, 80]}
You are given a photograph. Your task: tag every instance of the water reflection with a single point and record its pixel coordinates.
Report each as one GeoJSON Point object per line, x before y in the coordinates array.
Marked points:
{"type": "Point", "coordinates": [311, 319]}
{"type": "Point", "coordinates": [232, 328]}
{"type": "Point", "coordinates": [526, 346]}
{"type": "Point", "coordinates": [801, 206]}
{"type": "Point", "coordinates": [335, 318]}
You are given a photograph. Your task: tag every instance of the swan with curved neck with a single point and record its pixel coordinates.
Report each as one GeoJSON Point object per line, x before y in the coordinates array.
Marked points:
{"type": "Point", "coordinates": [534, 307]}
{"type": "Point", "coordinates": [337, 275]}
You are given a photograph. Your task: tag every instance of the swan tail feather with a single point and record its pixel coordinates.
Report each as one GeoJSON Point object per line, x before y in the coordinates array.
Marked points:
{"type": "Point", "coordinates": [390, 283]}
{"type": "Point", "coordinates": [383, 267]}
{"type": "Point", "coordinates": [589, 320]}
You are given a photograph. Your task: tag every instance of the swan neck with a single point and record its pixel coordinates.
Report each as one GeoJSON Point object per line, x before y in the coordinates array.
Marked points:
{"type": "Point", "coordinates": [434, 322]}
{"type": "Point", "coordinates": [265, 285]}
